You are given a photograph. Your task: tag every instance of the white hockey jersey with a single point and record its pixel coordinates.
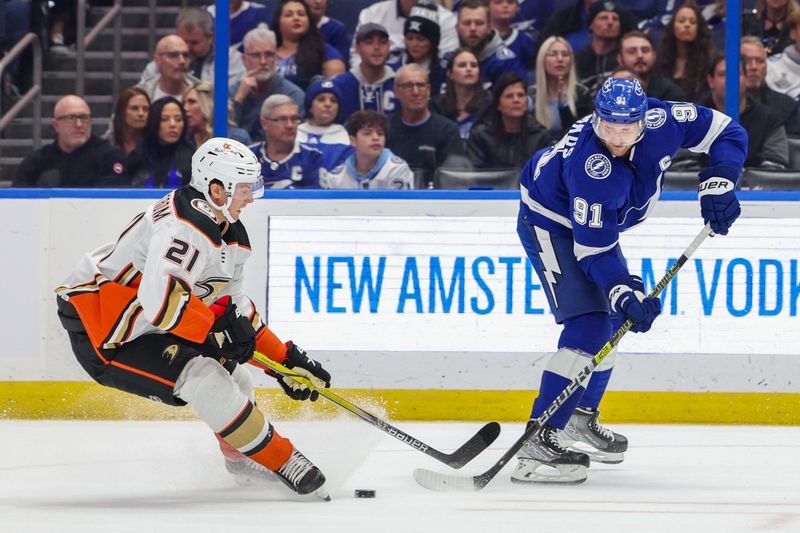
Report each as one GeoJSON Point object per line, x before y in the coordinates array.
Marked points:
{"type": "Point", "coordinates": [391, 172]}
{"type": "Point", "coordinates": [161, 274]}
{"type": "Point", "coordinates": [783, 73]}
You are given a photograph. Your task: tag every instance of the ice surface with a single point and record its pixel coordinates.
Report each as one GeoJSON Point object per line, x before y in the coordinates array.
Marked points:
{"type": "Point", "coordinates": [109, 477]}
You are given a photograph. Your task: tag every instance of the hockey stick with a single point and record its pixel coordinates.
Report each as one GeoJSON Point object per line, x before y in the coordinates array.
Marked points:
{"type": "Point", "coordinates": [446, 483]}
{"type": "Point", "coordinates": [479, 442]}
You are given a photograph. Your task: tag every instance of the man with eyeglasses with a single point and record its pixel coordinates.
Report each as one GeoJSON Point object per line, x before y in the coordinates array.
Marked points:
{"type": "Point", "coordinates": [172, 61]}
{"type": "Point", "coordinates": [370, 84]}
{"type": "Point", "coordinates": [260, 82]}
{"type": "Point", "coordinates": [424, 139]}
{"type": "Point", "coordinates": [196, 27]}
{"type": "Point", "coordinates": [76, 158]}
{"type": "Point", "coordinates": [285, 163]}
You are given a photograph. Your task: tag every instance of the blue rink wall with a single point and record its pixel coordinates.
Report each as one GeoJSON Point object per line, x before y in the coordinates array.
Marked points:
{"type": "Point", "coordinates": [423, 304]}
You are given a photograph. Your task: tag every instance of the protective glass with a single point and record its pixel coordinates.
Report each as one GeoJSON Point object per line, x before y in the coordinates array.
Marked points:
{"type": "Point", "coordinates": [618, 134]}
{"type": "Point", "coordinates": [243, 191]}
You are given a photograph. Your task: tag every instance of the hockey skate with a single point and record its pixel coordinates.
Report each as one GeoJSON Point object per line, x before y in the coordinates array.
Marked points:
{"type": "Point", "coordinates": [543, 460]}
{"type": "Point", "coordinates": [300, 475]}
{"type": "Point", "coordinates": [584, 433]}
{"type": "Point", "coordinates": [244, 470]}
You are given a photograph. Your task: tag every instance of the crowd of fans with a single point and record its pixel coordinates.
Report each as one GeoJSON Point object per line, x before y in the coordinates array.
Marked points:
{"type": "Point", "coordinates": [418, 87]}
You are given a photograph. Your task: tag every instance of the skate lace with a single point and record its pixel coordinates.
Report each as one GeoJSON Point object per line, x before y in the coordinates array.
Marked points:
{"type": "Point", "coordinates": [602, 430]}
{"type": "Point", "coordinates": [551, 435]}
{"type": "Point", "coordinates": [295, 468]}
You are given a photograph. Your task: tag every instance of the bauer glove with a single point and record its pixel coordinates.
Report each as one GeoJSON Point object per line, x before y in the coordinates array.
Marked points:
{"type": "Point", "coordinates": [718, 203]}
{"type": "Point", "coordinates": [627, 298]}
{"type": "Point", "coordinates": [297, 360]}
{"type": "Point", "coordinates": [232, 336]}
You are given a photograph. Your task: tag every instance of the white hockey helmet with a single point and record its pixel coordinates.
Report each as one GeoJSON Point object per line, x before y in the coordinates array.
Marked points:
{"type": "Point", "coordinates": [231, 163]}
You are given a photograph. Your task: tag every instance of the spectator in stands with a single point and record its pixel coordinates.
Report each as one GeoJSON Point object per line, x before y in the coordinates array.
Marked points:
{"type": "Point", "coordinates": [371, 165]}
{"type": "Point", "coordinates": [464, 96]}
{"type": "Point", "coordinates": [425, 140]}
{"type": "Point", "coordinates": [198, 103]}
{"type": "Point", "coordinates": [501, 14]}
{"type": "Point", "coordinates": [596, 60]}
{"type": "Point", "coordinates": [391, 14]}
{"type": "Point", "coordinates": [475, 33]}
{"type": "Point", "coordinates": [767, 145]}
{"type": "Point", "coordinates": [302, 52]}
{"type": "Point", "coordinates": [260, 82]}
{"type": "Point", "coordinates": [244, 16]}
{"type": "Point", "coordinates": [76, 158]}
{"type": "Point", "coordinates": [558, 98]}
{"type": "Point", "coordinates": [422, 44]}
{"type": "Point", "coordinates": [686, 50]}
{"type": "Point", "coordinates": [14, 24]}
{"type": "Point", "coordinates": [506, 135]}
{"type": "Point", "coordinates": [783, 70]}
{"type": "Point", "coordinates": [62, 26]}
{"type": "Point", "coordinates": [285, 163]}
{"type": "Point", "coordinates": [320, 129]}
{"type": "Point", "coordinates": [370, 85]}
{"type": "Point", "coordinates": [130, 118]}
{"type": "Point", "coordinates": [638, 54]}
{"type": "Point", "coordinates": [531, 17]}
{"type": "Point", "coordinates": [196, 27]}
{"type": "Point", "coordinates": [754, 56]}
{"type": "Point", "coordinates": [172, 62]}
{"type": "Point", "coordinates": [164, 159]}
{"type": "Point", "coordinates": [769, 21]}
{"type": "Point", "coordinates": [332, 30]}
{"type": "Point", "coordinates": [572, 23]}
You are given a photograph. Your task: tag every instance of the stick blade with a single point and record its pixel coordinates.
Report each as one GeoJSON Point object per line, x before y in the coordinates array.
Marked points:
{"type": "Point", "coordinates": [444, 483]}
{"type": "Point", "coordinates": [474, 446]}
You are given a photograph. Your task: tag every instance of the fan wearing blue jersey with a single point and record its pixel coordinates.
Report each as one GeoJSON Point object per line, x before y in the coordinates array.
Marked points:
{"type": "Point", "coordinates": [320, 130]}
{"type": "Point", "coordinates": [285, 163]}
{"type": "Point", "coordinates": [602, 178]}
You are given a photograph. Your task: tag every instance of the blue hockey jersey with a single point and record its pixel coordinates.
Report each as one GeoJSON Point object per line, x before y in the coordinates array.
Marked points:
{"type": "Point", "coordinates": [300, 170]}
{"type": "Point", "coordinates": [577, 187]}
{"type": "Point", "coordinates": [358, 94]}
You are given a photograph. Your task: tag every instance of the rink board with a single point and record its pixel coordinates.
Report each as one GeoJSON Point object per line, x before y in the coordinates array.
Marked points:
{"type": "Point", "coordinates": [427, 305]}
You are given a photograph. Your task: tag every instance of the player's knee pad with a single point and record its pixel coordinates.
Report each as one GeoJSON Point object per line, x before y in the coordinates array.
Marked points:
{"type": "Point", "coordinates": [567, 362]}
{"type": "Point", "coordinates": [587, 333]}
{"type": "Point", "coordinates": [608, 361]}
{"type": "Point", "coordinates": [244, 380]}
{"type": "Point", "coordinates": [211, 391]}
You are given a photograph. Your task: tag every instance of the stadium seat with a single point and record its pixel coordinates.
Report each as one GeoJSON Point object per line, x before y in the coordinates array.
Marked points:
{"type": "Point", "coordinates": [776, 180]}
{"type": "Point", "coordinates": [459, 178]}
{"type": "Point", "coordinates": [680, 180]}
{"type": "Point", "coordinates": [794, 153]}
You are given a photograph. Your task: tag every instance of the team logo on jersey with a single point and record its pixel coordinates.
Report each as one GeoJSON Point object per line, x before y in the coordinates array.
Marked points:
{"type": "Point", "coordinates": [117, 168]}
{"type": "Point", "coordinates": [203, 207]}
{"type": "Point", "coordinates": [171, 352]}
{"type": "Point", "coordinates": [655, 118]}
{"type": "Point", "coordinates": [505, 53]}
{"type": "Point", "coordinates": [598, 166]}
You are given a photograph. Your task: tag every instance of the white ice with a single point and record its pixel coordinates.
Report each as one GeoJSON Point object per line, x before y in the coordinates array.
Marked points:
{"type": "Point", "coordinates": [139, 477]}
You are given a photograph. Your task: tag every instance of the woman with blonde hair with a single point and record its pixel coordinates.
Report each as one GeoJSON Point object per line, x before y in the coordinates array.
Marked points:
{"type": "Point", "coordinates": [769, 22]}
{"type": "Point", "coordinates": [198, 102]}
{"type": "Point", "coordinates": [559, 100]}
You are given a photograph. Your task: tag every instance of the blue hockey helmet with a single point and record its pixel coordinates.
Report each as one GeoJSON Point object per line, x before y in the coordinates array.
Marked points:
{"type": "Point", "coordinates": [620, 101]}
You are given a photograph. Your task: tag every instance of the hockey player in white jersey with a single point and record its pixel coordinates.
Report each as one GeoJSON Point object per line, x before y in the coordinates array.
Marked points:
{"type": "Point", "coordinates": [161, 313]}
{"type": "Point", "coordinates": [372, 165]}
{"type": "Point", "coordinates": [599, 180]}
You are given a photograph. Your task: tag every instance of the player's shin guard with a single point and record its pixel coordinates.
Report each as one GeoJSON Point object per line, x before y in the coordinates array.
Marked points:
{"type": "Point", "coordinates": [218, 401]}
{"type": "Point", "coordinates": [562, 368]}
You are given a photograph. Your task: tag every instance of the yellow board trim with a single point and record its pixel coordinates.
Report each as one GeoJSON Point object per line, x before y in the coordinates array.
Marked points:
{"type": "Point", "coordinates": [77, 400]}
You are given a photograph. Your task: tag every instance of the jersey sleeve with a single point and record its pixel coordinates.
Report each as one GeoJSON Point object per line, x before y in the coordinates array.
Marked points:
{"type": "Point", "coordinates": [176, 257]}
{"type": "Point", "coordinates": [707, 131]}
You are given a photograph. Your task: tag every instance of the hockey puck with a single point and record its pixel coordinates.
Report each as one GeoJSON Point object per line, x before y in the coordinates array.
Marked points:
{"type": "Point", "coordinates": [365, 493]}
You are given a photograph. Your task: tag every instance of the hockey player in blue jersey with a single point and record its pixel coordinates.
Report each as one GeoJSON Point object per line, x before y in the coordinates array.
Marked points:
{"type": "Point", "coordinates": [600, 179]}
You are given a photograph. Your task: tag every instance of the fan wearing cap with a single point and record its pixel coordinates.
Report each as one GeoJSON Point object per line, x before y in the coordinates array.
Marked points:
{"type": "Point", "coordinates": [320, 129]}
{"type": "Point", "coordinates": [370, 85]}
{"type": "Point", "coordinates": [161, 313]}
{"type": "Point", "coordinates": [601, 179]}
{"type": "Point", "coordinates": [595, 61]}
{"type": "Point", "coordinates": [422, 35]}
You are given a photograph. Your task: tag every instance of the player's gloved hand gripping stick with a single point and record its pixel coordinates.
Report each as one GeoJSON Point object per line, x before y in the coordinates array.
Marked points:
{"type": "Point", "coordinates": [479, 442]}
{"type": "Point", "coordinates": [445, 482]}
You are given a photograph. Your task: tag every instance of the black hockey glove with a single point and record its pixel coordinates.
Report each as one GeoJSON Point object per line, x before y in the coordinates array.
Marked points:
{"type": "Point", "coordinates": [297, 360]}
{"type": "Point", "coordinates": [627, 298]}
{"type": "Point", "coordinates": [718, 203]}
{"type": "Point", "coordinates": [232, 336]}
